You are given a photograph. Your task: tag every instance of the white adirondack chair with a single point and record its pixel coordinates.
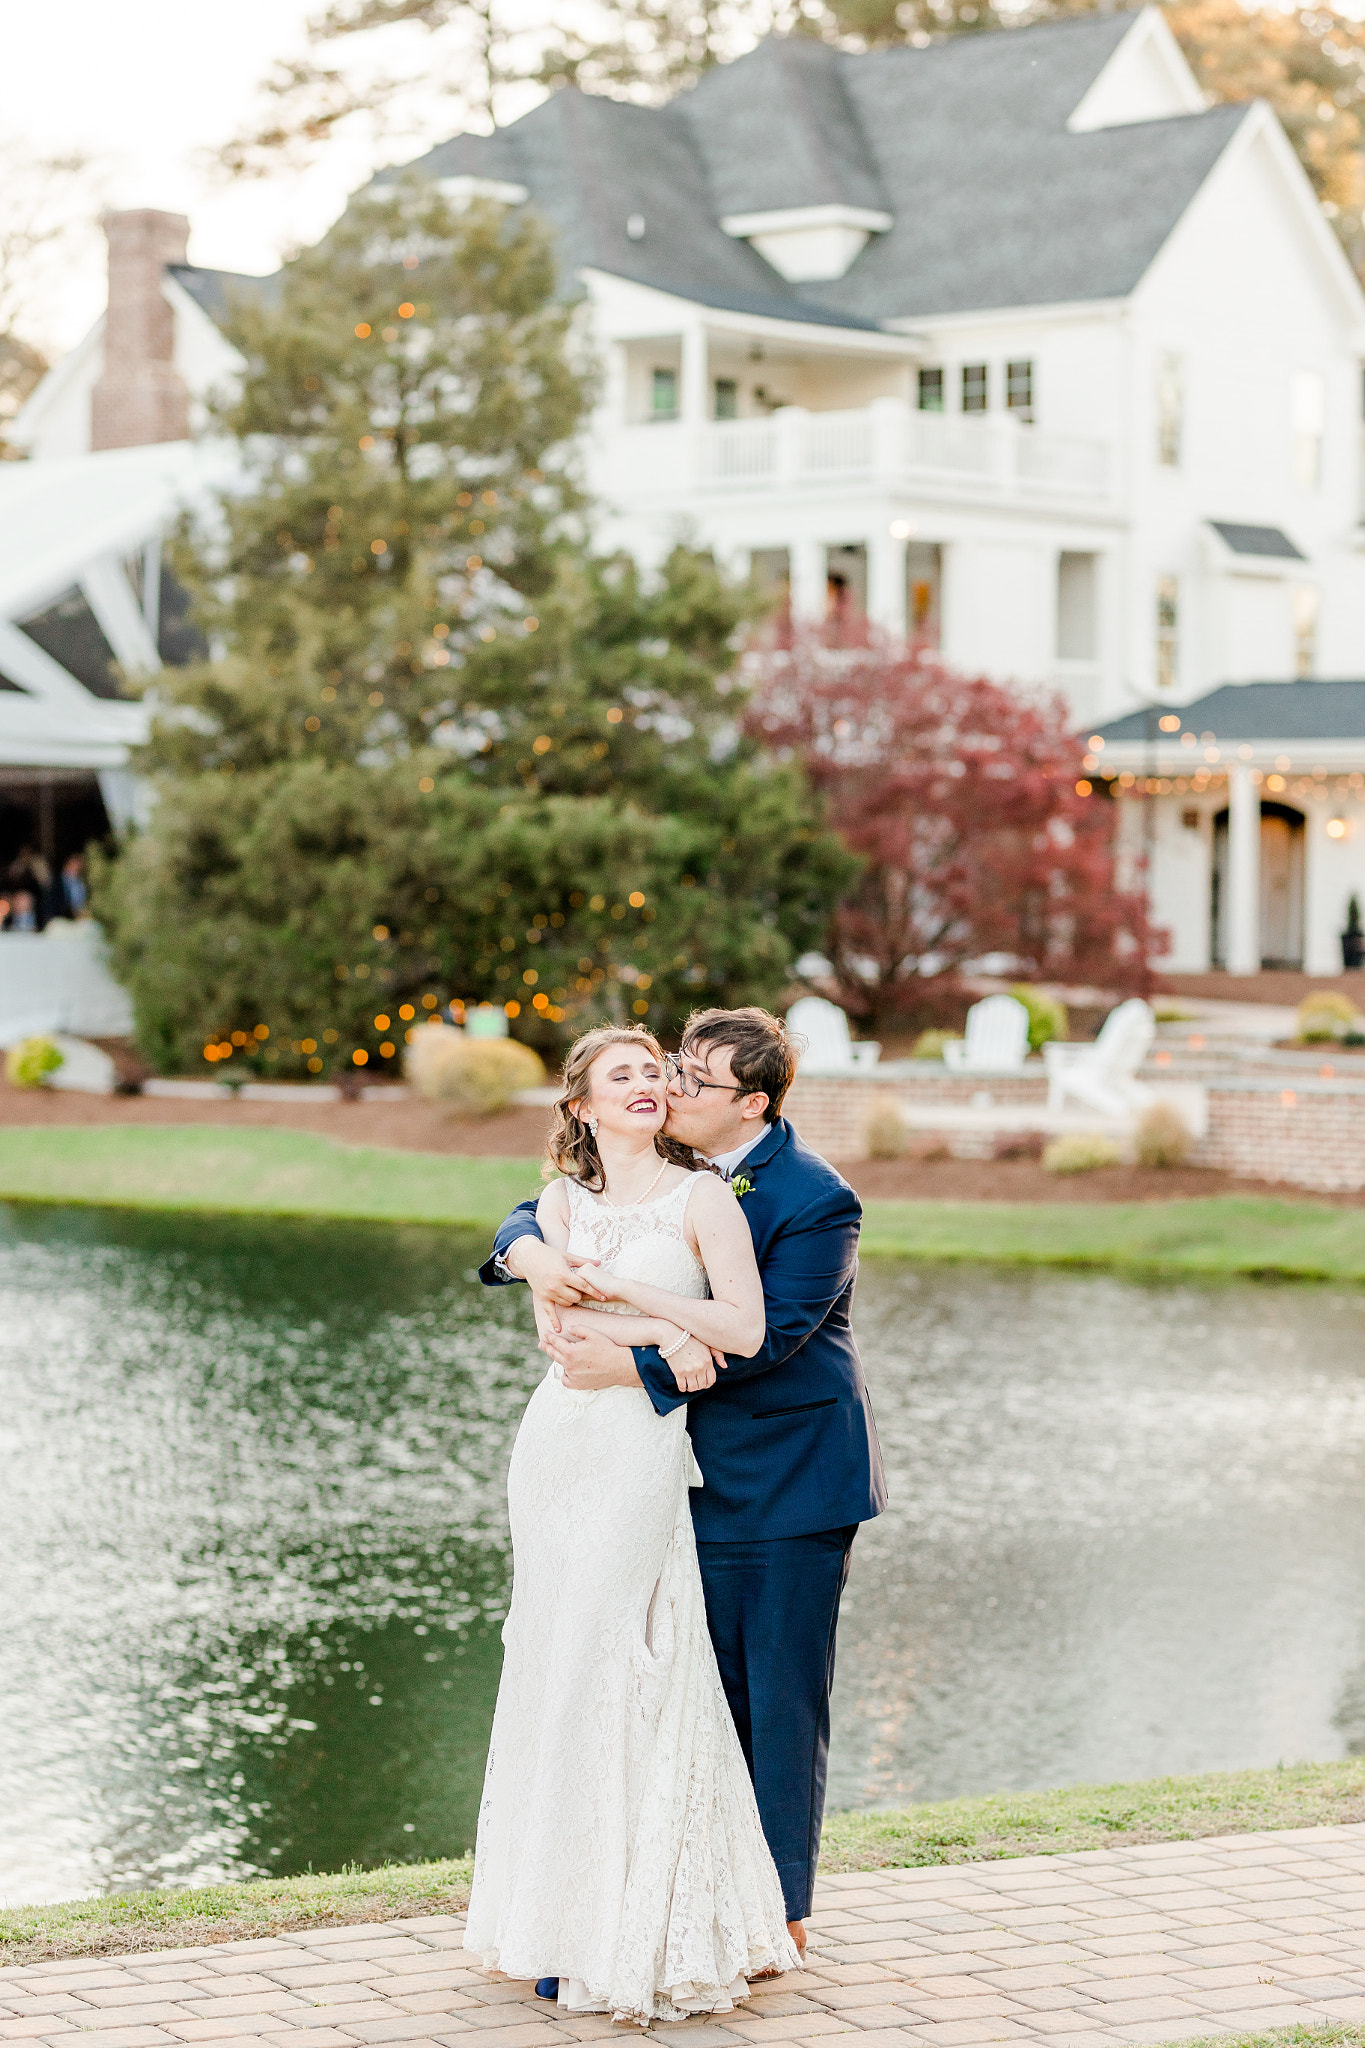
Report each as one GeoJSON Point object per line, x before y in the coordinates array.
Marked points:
{"type": "Point", "coordinates": [829, 1048]}
{"type": "Point", "coordinates": [996, 1041]}
{"type": "Point", "coordinates": [1102, 1076]}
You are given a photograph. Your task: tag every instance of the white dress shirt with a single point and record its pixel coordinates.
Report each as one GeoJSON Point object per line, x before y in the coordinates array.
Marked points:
{"type": "Point", "coordinates": [728, 1162]}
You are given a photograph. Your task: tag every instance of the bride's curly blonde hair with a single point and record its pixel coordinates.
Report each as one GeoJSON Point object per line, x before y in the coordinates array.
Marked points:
{"type": "Point", "coordinates": [571, 1148]}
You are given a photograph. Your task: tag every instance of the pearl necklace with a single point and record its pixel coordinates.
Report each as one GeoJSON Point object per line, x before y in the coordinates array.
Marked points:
{"type": "Point", "coordinates": [663, 1168]}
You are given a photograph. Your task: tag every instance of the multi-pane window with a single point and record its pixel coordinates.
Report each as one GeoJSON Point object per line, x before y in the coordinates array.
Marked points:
{"type": "Point", "coordinates": [1167, 634]}
{"type": "Point", "coordinates": [1019, 389]}
{"type": "Point", "coordinates": [1305, 603]}
{"type": "Point", "coordinates": [931, 390]}
{"type": "Point", "coordinates": [664, 395]}
{"type": "Point", "coordinates": [727, 398]}
{"type": "Point", "coordinates": [1309, 407]}
{"type": "Point", "coordinates": [975, 387]}
{"type": "Point", "coordinates": [1170, 409]}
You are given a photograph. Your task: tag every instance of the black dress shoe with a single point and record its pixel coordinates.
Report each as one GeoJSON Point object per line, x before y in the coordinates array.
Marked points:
{"type": "Point", "coordinates": [547, 1987]}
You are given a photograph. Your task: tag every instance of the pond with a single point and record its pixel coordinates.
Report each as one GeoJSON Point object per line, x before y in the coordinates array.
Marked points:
{"type": "Point", "coordinates": [254, 1555]}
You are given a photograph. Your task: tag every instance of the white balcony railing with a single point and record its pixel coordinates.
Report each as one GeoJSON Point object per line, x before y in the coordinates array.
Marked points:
{"type": "Point", "coordinates": [889, 440]}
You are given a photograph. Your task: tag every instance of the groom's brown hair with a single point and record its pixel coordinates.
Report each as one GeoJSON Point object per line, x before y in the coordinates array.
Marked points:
{"type": "Point", "coordinates": [763, 1059]}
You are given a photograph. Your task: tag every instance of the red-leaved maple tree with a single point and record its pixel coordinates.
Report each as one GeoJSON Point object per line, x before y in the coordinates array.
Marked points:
{"type": "Point", "coordinates": [961, 796]}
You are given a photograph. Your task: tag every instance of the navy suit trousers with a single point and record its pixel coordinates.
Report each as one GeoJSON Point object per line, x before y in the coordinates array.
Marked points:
{"type": "Point", "coordinates": [773, 1608]}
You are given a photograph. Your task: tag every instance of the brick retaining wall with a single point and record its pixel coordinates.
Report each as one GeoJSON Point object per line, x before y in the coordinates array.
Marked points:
{"type": "Point", "coordinates": [1304, 1132]}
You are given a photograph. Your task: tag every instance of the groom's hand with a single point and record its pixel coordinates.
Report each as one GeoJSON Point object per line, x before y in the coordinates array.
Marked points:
{"type": "Point", "coordinates": [591, 1363]}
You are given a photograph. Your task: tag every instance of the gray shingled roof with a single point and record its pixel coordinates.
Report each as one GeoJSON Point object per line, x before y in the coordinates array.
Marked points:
{"type": "Point", "coordinates": [996, 203]}
{"type": "Point", "coordinates": [1260, 711]}
{"type": "Point", "coordinates": [217, 290]}
{"type": "Point", "coordinates": [965, 143]}
{"type": "Point", "coordinates": [590, 163]}
{"type": "Point", "coordinates": [1257, 540]}
{"type": "Point", "coordinates": [779, 129]}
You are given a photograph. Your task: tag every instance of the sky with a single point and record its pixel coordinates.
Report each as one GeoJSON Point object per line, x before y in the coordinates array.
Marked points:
{"type": "Point", "coordinates": [146, 88]}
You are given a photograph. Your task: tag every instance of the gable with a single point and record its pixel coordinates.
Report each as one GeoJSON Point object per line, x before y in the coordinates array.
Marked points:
{"type": "Point", "coordinates": [1148, 78]}
{"type": "Point", "coordinates": [1254, 246]}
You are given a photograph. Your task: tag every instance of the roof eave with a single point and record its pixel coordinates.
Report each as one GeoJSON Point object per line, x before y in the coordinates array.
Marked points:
{"type": "Point", "coordinates": [816, 334]}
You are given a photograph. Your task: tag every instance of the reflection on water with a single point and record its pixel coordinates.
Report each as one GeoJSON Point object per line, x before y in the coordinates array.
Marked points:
{"type": "Point", "coordinates": [254, 1563]}
{"type": "Point", "coordinates": [1127, 1532]}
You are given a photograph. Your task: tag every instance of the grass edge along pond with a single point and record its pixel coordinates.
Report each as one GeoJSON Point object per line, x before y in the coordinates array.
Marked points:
{"type": "Point", "coordinates": [210, 1168]}
{"type": "Point", "coordinates": [950, 1831]}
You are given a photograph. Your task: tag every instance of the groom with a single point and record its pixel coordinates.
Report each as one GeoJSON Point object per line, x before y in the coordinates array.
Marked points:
{"type": "Point", "coordinates": [785, 1439]}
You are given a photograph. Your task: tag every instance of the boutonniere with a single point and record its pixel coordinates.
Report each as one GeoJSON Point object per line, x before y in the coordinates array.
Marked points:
{"type": "Point", "coordinates": [742, 1186]}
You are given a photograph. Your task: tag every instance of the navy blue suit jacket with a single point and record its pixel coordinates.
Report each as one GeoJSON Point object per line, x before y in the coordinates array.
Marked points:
{"type": "Point", "coordinates": [785, 1440]}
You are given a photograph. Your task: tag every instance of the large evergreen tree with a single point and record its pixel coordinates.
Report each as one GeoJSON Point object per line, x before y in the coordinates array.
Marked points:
{"type": "Point", "coordinates": [443, 751]}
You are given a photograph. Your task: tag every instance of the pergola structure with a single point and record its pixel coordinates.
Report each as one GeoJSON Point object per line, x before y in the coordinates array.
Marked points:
{"type": "Point", "coordinates": [88, 609]}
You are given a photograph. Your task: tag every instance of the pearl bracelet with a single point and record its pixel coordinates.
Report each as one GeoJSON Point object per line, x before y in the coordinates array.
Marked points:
{"type": "Point", "coordinates": [676, 1347]}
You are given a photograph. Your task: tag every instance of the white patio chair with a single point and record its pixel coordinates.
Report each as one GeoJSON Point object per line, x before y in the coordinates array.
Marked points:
{"type": "Point", "coordinates": [829, 1048]}
{"type": "Point", "coordinates": [1102, 1076]}
{"type": "Point", "coordinates": [996, 1041]}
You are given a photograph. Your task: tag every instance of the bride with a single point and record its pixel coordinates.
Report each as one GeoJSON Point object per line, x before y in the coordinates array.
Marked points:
{"type": "Point", "coordinates": [619, 1845]}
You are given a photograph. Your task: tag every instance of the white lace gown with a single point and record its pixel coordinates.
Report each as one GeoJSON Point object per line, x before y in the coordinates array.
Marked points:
{"type": "Point", "coordinates": [619, 1843]}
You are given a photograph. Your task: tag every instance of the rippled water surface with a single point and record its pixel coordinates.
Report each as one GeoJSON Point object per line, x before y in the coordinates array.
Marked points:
{"type": "Point", "coordinates": [253, 1552]}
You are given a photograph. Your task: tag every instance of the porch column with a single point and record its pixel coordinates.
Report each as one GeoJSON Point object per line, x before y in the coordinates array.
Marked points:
{"type": "Point", "coordinates": [693, 407]}
{"type": "Point", "coordinates": [1244, 871]}
{"type": "Point", "coordinates": [809, 580]}
{"type": "Point", "coordinates": [886, 582]}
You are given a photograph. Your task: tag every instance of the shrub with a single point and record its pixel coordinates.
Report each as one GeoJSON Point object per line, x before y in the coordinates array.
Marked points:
{"type": "Point", "coordinates": [28, 1064]}
{"type": "Point", "coordinates": [1174, 1013]}
{"type": "Point", "coordinates": [1080, 1152]}
{"type": "Point", "coordinates": [886, 1134]}
{"type": "Point", "coordinates": [476, 1075]}
{"type": "Point", "coordinates": [929, 1045]}
{"type": "Point", "coordinates": [1047, 1017]}
{"type": "Point", "coordinates": [1163, 1136]}
{"type": "Point", "coordinates": [1326, 1014]}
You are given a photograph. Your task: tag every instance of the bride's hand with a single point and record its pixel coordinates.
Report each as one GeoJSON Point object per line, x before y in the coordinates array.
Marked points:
{"type": "Point", "coordinates": [693, 1367]}
{"type": "Point", "coordinates": [583, 1322]}
{"type": "Point", "coordinates": [605, 1286]}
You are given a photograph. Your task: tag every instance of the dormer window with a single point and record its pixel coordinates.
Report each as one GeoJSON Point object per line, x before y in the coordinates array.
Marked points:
{"type": "Point", "coordinates": [808, 244]}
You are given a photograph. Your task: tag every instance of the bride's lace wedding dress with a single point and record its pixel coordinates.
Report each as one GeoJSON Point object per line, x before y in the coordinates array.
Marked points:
{"type": "Point", "coordinates": [619, 1844]}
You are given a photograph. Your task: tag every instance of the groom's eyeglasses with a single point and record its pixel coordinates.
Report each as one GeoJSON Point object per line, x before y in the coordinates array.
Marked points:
{"type": "Point", "coordinates": [692, 1084]}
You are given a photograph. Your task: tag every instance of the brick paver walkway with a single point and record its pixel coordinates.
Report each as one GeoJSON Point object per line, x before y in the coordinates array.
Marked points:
{"type": "Point", "coordinates": [1129, 1945]}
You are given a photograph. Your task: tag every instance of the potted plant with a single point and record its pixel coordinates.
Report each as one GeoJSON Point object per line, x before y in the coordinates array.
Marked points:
{"type": "Point", "coordinates": [1353, 938]}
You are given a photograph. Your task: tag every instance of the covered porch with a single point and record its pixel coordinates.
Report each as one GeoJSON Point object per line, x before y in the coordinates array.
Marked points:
{"type": "Point", "coordinates": [1244, 813]}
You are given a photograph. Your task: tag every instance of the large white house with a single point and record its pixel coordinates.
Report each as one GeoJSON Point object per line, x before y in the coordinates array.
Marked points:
{"type": "Point", "coordinates": [1008, 339]}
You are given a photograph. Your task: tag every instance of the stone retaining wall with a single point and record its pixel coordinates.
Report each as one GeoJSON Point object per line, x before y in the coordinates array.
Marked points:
{"type": "Point", "coordinates": [1305, 1132]}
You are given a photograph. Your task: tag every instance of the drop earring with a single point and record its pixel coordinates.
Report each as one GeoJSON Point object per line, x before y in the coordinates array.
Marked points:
{"type": "Point", "coordinates": [592, 1126]}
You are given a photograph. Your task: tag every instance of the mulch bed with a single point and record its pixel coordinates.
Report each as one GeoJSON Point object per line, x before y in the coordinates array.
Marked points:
{"type": "Point", "coordinates": [411, 1125]}
{"type": "Point", "coordinates": [1281, 985]}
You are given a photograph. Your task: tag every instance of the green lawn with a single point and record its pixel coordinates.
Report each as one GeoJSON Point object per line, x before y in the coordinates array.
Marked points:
{"type": "Point", "coordinates": [256, 1172]}
{"type": "Point", "coordinates": [292, 1173]}
{"type": "Point", "coordinates": [954, 1831]}
{"type": "Point", "coordinates": [1217, 1234]}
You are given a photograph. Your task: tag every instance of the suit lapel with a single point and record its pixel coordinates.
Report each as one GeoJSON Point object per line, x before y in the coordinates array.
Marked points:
{"type": "Point", "coordinates": [763, 1167]}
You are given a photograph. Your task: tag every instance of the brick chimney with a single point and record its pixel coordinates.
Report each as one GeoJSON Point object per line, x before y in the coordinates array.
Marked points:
{"type": "Point", "coordinates": [140, 396]}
